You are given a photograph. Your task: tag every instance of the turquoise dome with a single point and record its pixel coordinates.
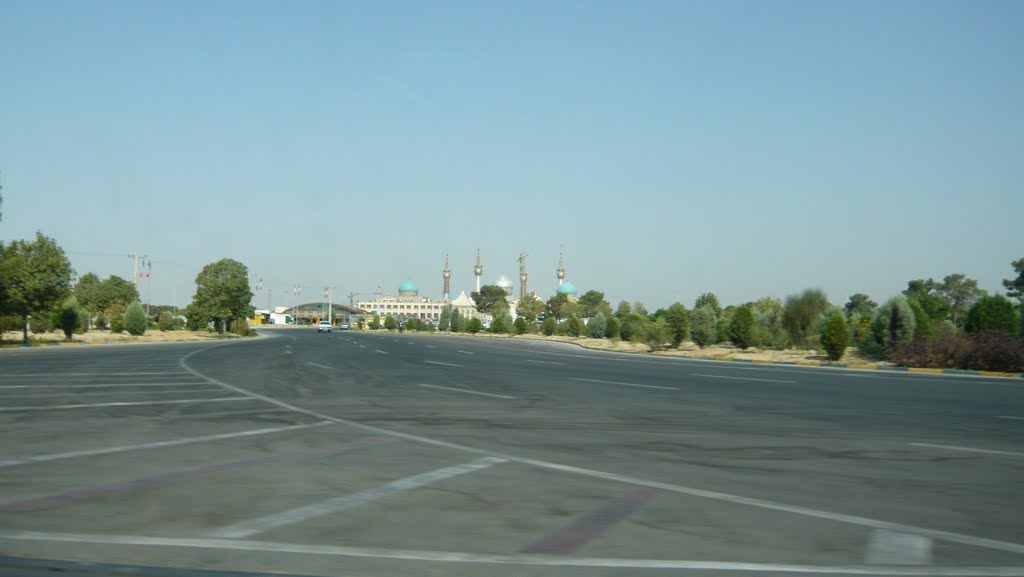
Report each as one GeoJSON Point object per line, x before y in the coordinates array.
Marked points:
{"type": "Point", "coordinates": [567, 288]}
{"type": "Point", "coordinates": [408, 288]}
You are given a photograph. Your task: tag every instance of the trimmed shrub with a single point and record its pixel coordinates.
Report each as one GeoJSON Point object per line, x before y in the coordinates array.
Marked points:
{"type": "Point", "coordinates": [498, 325]}
{"type": "Point", "coordinates": [135, 320]}
{"type": "Point", "coordinates": [39, 324]}
{"type": "Point", "coordinates": [611, 329]}
{"type": "Point", "coordinates": [84, 318]}
{"type": "Point", "coordinates": [375, 322]}
{"type": "Point", "coordinates": [657, 334]}
{"type": "Point", "coordinates": [474, 325]}
{"type": "Point", "coordinates": [548, 326]}
{"type": "Point", "coordinates": [116, 315]}
{"type": "Point", "coordinates": [69, 313]}
{"type": "Point", "coordinates": [633, 328]}
{"type": "Point", "coordinates": [573, 326]}
{"type": "Point", "coordinates": [893, 324]}
{"type": "Point", "coordinates": [678, 319]}
{"type": "Point", "coordinates": [835, 336]}
{"type": "Point", "coordinates": [980, 352]}
{"type": "Point", "coordinates": [703, 326]}
{"type": "Point", "coordinates": [741, 329]}
{"type": "Point", "coordinates": [390, 323]}
{"type": "Point", "coordinates": [598, 326]}
{"type": "Point", "coordinates": [520, 325]}
{"type": "Point", "coordinates": [993, 314]}
{"type": "Point", "coordinates": [165, 321]}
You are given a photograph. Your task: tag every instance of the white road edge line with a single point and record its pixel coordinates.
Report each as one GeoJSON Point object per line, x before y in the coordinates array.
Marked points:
{"type": "Point", "coordinates": [443, 364]}
{"type": "Point", "coordinates": [430, 346]}
{"type": "Point", "coordinates": [381, 352]}
{"type": "Point", "coordinates": [544, 362]}
{"type": "Point", "coordinates": [465, 391]}
{"type": "Point", "coordinates": [1009, 417]}
{"type": "Point", "coordinates": [892, 548]}
{"type": "Point", "coordinates": [123, 404]}
{"type": "Point", "coordinates": [683, 489]}
{"type": "Point", "coordinates": [319, 366]}
{"type": "Point", "coordinates": [623, 384]}
{"type": "Point", "coordinates": [968, 449]}
{"type": "Point", "coordinates": [466, 352]}
{"type": "Point", "coordinates": [188, 384]}
{"type": "Point", "coordinates": [535, 560]}
{"type": "Point", "coordinates": [155, 445]}
{"type": "Point", "coordinates": [25, 375]}
{"type": "Point", "coordinates": [741, 378]}
{"type": "Point", "coordinates": [263, 524]}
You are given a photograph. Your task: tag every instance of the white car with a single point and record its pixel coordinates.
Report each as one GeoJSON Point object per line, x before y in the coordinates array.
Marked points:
{"type": "Point", "coordinates": [323, 327]}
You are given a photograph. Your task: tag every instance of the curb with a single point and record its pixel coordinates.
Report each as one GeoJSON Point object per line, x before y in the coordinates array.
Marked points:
{"type": "Point", "coordinates": [49, 344]}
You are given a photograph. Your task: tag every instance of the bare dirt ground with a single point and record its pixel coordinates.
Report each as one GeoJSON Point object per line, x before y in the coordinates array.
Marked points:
{"type": "Point", "coordinates": [102, 337]}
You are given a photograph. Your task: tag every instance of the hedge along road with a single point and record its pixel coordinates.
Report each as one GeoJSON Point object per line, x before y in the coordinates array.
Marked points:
{"type": "Point", "coordinates": [375, 453]}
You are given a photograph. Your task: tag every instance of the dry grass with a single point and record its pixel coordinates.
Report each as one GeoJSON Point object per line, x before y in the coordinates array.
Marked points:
{"type": "Point", "coordinates": [101, 337]}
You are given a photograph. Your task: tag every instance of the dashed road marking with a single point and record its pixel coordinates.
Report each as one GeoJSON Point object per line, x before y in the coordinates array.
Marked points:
{"type": "Point", "coordinates": [544, 362]}
{"type": "Point", "coordinates": [443, 364]}
{"type": "Point", "coordinates": [465, 391]}
{"type": "Point", "coordinates": [741, 378]}
{"type": "Point", "coordinates": [968, 449]}
{"type": "Point", "coordinates": [893, 548]}
{"type": "Point", "coordinates": [123, 404]}
{"type": "Point", "coordinates": [623, 384]}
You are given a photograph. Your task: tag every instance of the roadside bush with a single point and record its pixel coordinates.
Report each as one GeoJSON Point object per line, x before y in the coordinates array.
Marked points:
{"type": "Point", "coordinates": [116, 315]}
{"type": "Point", "coordinates": [768, 316]}
{"type": "Point", "coordinates": [9, 324]}
{"type": "Point", "coordinates": [135, 320]}
{"type": "Point", "coordinates": [239, 326]}
{"type": "Point", "coordinates": [703, 326]}
{"type": "Point", "coordinates": [633, 328]}
{"type": "Point", "coordinates": [69, 313]}
{"type": "Point", "coordinates": [83, 322]}
{"type": "Point", "coordinates": [39, 324]}
{"type": "Point", "coordinates": [992, 314]}
{"type": "Point", "coordinates": [678, 319]}
{"type": "Point", "coordinates": [922, 322]}
{"type": "Point", "coordinates": [473, 325]}
{"type": "Point", "coordinates": [835, 336]}
{"type": "Point", "coordinates": [498, 325]}
{"type": "Point", "coordinates": [573, 326]}
{"type": "Point", "coordinates": [165, 322]}
{"type": "Point", "coordinates": [801, 314]}
{"type": "Point", "coordinates": [893, 324]}
{"type": "Point", "coordinates": [611, 329]}
{"type": "Point", "coordinates": [520, 325]}
{"type": "Point", "coordinates": [548, 326]}
{"type": "Point", "coordinates": [741, 329]}
{"type": "Point", "coordinates": [984, 352]}
{"type": "Point", "coordinates": [390, 323]}
{"type": "Point", "coordinates": [597, 326]}
{"type": "Point", "coordinates": [657, 334]}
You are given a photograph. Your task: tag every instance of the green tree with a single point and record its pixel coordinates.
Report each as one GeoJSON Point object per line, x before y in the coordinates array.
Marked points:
{"type": "Point", "coordinates": [768, 313]}
{"type": "Point", "coordinates": [458, 321]}
{"type": "Point", "coordinates": [69, 316]}
{"type": "Point", "coordinates": [36, 276]}
{"type": "Point", "coordinates": [135, 320]}
{"type": "Point", "coordinates": [678, 319]}
{"type": "Point", "coordinates": [835, 336]}
{"type": "Point", "coordinates": [640, 309]}
{"type": "Point", "coordinates": [893, 324]}
{"type": "Point", "coordinates": [623, 310]}
{"type": "Point", "coordinates": [993, 314]}
{"type": "Point", "coordinates": [165, 321]}
{"type": "Point", "coordinates": [657, 333]}
{"type": "Point", "coordinates": [222, 293]}
{"type": "Point", "coordinates": [1015, 287]}
{"type": "Point", "coordinates": [390, 323]}
{"type": "Point", "coordinates": [573, 326]}
{"type": "Point", "coordinates": [592, 302]}
{"type": "Point", "coordinates": [530, 307]}
{"type": "Point", "coordinates": [116, 315]}
{"type": "Point", "coordinates": [375, 322]}
{"type": "Point", "coordinates": [922, 322]}
{"type": "Point", "coordinates": [548, 326]}
{"type": "Point", "coordinates": [598, 326]}
{"type": "Point", "coordinates": [521, 325]}
{"type": "Point", "coordinates": [444, 320]}
{"type": "Point", "coordinates": [802, 313]}
{"type": "Point", "coordinates": [556, 307]}
{"type": "Point", "coordinates": [703, 325]}
{"type": "Point", "coordinates": [710, 299]}
{"type": "Point", "coordinates": [611, 329]}
{"type": "Point", "coordinates": [861, 304]}
{"type": "Point", "coordinates": [498, 325]}
{"type": "Point", "coordinates": [742, 332]}
{"type": "Point", "coordinates": [490, 300]}
{"type": "Point", "coordinates": [473, 325]}
{"type": "Point", "coordinates": [962, 293]}
{"type": "Point", "coordinates": [633, 328]}
{"type": "Point", "coordinates": [926, 293]}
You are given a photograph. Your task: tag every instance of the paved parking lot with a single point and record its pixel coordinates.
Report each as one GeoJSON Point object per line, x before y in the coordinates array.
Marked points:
{"type": "Point", "coordinates": [134, 456]}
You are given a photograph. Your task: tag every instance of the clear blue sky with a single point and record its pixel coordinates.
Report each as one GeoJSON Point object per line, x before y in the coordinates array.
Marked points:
{"type": "Point", "coordinates": [747, 148]}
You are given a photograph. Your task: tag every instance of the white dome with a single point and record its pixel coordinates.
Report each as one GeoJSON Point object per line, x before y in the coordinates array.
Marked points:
{"type": "Point", "coordinates": [503, 282]}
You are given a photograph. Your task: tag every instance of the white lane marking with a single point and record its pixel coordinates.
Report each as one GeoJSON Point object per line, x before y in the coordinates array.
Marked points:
{"type": "Point", "coordinates": [154, 445]}
{"type": "Point", "coordinates": [466, 352]}
{"type": "Point", "coordinates": [107, 374]}
{"type": "Point", "coordinates": [535, 560]}
{"type": "Point", "coordinates": [64, 394]}
{"type": "Point", "coordinates": [430, 346]}
{"type": "Point", "coordinates": [465, 391]}
{"type": "Point", "coordinates": [188, 384]}
{"type": "Point", "coordinates": [319, 366]}
{"type": "Point", "coordinates": [741, 378]}
{"type": "Point", "coordinates": [968, 449]}
{"type": "Point", "coordinates": [381, 352]}
{"type": "Point", "coordinates": [623, 384]}
{"type": "Point", "coordinates": [362, 346]}
{"type": "Point", "coordinates": [771, 505]}
{"type": "Point", "coordinates": [1009, 417]}
{"type": "Point", "coordinates": [411, 342]}
{"type": "Point", "coordinates": [892, 548]}
{"type": "Point", "coordinates": [124, 404]}
{"type": "Point", "coordinates": [263, 524]}
{"type": "Point", "coordinates": [443, 364]}
{"type": "Point", "coordinates": [544, 362]}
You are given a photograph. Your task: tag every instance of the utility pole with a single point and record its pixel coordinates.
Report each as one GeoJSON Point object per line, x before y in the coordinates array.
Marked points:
{"type": "Point", "coordinates": [135, 267]}
{"type": "Point", "coordinates": [351, 300]}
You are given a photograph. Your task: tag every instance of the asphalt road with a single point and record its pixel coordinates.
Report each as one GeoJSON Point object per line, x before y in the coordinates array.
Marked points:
{"type": "Point", "coordinates": [378, 454]}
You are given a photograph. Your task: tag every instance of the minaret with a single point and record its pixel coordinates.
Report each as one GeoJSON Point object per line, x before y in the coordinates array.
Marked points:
{"type": "Point", "coordinates": [447, 279]}
{"type": "Point", "coordinates": [478, 270]}
{"type": "Point", "coordinates": [522, 275]}
{"type": "Point", "coordinates": [561, 268]}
